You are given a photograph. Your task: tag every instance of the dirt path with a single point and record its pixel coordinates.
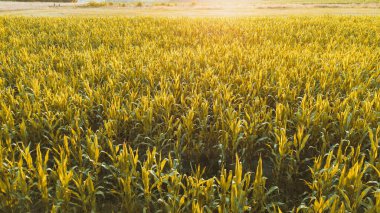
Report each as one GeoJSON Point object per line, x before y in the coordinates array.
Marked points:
{"type": "Point", "coordinates": [11, 6]}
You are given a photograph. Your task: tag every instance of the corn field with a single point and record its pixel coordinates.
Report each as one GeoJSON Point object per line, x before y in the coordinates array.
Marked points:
{"type": "Point", "coordinates": [190, 115]}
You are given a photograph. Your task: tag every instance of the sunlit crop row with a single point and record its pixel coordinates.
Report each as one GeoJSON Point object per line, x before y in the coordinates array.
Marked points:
{"type": "Point", "coordinates": [190, 115]}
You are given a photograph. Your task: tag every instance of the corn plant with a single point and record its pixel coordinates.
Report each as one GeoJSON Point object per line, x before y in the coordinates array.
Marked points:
{"type": "Point", "coordinates": [189, 115]}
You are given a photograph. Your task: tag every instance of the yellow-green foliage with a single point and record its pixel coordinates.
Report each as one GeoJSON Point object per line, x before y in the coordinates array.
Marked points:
{"type": "Point", "coordinates": [96, 4]}
{"type": "Point", "coordinates": [190, 115]}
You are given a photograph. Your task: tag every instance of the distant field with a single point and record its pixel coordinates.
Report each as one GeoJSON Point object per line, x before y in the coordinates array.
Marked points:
{"type": "Point", "coordinates": [185, 9]}
{"type": "Point", "coordinates": [214, 1]}
{"type": "Point", "coordinates": [278, 1]}
{"type": "Point", "coordinates": [256, 1]}
{"type": "Point", "coordinates": [321, 1]}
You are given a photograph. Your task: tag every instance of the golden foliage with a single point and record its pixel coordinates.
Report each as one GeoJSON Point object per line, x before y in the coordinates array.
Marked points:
{"type": "Point", "coordinates": [180, 115]}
